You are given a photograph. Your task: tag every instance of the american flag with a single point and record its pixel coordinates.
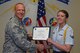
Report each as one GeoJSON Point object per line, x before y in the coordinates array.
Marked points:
{"type": "Point", "coordinates": [41, 19]}
{"type": "Point", "coordinates": [41, 13]}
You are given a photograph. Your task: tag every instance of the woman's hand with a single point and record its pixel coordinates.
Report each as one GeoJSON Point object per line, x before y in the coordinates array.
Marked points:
{"type": "Point", "coordinates": [49, 40]}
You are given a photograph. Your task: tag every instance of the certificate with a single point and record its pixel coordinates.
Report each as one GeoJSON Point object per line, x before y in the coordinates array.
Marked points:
{"type": "Point", "coordinates": [41, 33]}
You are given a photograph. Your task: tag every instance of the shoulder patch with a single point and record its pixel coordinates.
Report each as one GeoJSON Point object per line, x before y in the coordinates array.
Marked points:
{"type": "Point", "coordinates": [71, 36]}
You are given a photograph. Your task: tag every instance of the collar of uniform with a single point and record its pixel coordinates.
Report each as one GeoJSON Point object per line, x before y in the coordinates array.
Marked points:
{"type": "Point", "coordinates": [18, 21]}
{"type": "Point", "coordinates": [65, 26]}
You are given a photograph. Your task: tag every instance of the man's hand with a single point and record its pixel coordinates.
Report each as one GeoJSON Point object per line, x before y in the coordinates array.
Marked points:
{"type": "Point", "coordinates": [29, 37]}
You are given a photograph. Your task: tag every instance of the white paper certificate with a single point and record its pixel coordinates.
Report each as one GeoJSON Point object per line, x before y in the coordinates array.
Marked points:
{"type": "Point", "coordinates": [41, 33]}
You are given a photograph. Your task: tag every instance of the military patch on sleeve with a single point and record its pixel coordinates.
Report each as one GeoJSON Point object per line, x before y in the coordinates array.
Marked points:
{"type": "Point", "coordinates": [72, 36]}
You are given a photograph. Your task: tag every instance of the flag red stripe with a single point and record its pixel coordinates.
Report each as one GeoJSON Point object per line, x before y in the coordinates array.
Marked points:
{"type": "Point", "coordinates": [44, 18]}
{"type": "Point", "coordinates": [39, 22]}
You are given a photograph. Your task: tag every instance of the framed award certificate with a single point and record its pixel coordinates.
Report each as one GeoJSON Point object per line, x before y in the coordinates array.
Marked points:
{"type": "Point", "coordinates": [41, 33]}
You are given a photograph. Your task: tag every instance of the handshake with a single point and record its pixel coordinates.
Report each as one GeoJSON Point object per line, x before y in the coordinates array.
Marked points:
{"type": "Point", "coordinates": [40, 47]}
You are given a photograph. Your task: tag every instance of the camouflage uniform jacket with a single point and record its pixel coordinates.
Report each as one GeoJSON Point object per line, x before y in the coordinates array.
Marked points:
{"type": "Point", "coordinates": [16, 38]}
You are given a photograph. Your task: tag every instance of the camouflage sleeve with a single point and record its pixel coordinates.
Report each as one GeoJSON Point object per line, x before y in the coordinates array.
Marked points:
{"type": "Point", "coordinates": [20, 39]}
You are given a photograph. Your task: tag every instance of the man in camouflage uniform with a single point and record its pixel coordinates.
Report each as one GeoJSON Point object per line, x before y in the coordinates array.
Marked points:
{"type": "Point", "coordinates": [16, 36]}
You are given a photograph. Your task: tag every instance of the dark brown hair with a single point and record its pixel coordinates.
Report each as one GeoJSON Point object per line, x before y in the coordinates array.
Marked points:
{"type": "Point", "coordinates": [65, 12]}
